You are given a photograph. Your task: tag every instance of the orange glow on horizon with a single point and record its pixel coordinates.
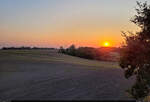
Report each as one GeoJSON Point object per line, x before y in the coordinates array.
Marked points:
{"type": "Point", "coordinates": [106, 44]}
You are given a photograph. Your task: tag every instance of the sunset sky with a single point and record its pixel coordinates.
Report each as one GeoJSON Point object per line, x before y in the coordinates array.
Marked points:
{"type": "Point", "coordinates": [52, 23]}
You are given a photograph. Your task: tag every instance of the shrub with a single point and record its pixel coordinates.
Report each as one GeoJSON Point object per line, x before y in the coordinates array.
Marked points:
{"type": "Point", "coordinates": [135, 53]}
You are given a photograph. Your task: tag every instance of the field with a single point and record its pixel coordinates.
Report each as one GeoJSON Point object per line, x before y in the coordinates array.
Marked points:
{"type": "Point", "coordinates": [48, 75]}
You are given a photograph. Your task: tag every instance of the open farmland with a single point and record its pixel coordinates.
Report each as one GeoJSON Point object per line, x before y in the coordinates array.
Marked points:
{"type": "Point", "coordinates": [48, 75]}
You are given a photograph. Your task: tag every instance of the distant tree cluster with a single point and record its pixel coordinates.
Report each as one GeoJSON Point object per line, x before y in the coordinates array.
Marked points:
{"type": "Point", "coordinates": [25, 48]}
{"type": "Point", "coordinates": [83, 52]}
{"type": "Point", "coordinates": [16, 48]}
{"type": "Point", "coordinates": [135, 53]}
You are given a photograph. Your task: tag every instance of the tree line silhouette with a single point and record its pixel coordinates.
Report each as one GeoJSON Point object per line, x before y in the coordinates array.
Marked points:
{"type": "Point", "coordinates": [26, 48]}
{"type": "Point", "coordinates": [89, 52]}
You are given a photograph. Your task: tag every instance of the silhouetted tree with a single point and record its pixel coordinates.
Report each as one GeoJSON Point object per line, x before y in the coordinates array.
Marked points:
{"type": "Point", "coordinates": [61, 50]}
{"type": "Point", "coordinates": [135, 53]}
{"type": "Point", "coordinates": [71, 50]}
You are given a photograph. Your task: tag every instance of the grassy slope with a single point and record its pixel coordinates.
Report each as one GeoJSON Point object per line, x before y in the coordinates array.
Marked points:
{"type": "Point", "coordinates": [50, 56]}
{"type": "Point", "coordinates": [49, 67]}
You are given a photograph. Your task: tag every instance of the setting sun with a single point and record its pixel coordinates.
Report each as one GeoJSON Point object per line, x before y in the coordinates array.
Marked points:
{"type": "Point", "coordinates": [106, 44]}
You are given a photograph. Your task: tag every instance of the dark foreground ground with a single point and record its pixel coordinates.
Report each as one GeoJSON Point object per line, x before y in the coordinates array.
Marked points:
{"type": "Point", "coordinates": [47, 75]}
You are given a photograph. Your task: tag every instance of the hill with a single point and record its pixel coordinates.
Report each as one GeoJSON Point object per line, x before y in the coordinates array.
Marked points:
{"type": "Point", "coordinates": [48, 75]}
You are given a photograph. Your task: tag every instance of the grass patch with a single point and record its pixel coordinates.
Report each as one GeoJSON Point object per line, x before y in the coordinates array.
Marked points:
{"type": "Point", "coordinates": [50, 56]}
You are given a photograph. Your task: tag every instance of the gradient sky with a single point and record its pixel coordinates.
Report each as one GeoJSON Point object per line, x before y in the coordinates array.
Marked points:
{"type": "Point", "coordinates": [52, 23]}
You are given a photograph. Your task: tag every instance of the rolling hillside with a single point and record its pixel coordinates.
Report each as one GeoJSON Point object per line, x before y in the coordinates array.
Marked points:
{"type": "Point", "coordinates": [48, 75]}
